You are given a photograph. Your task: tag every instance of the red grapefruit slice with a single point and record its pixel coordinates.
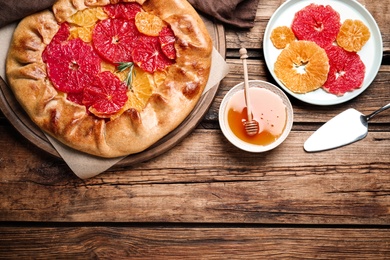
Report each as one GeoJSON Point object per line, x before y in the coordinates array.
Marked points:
{"type": "Point", "coordinates": [76, 98]}
{"type": "Point", "coordinates": [123, 10]}
{"type": "Point", "coordinates": [346, 71]}
{"type": "Point", "coordinates": [317, 23]}
{"type": "Point", "coordinates": [62, 34]}
{"type": "Point", "coordinates": [71, 65]}
{"type": "Point", "coordinates": [149, 56]}
{"type": "Point", "coordinates": [106, 95]}
{"type": "Point", "coordinates": [114, 39]}
{"type": "Point", "coordinates": [167, 41]}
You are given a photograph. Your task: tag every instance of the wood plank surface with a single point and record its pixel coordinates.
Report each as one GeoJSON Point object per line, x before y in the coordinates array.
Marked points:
{"type": "Point", "coordinates": [218, 185]}
{"type": "Point", "coordinates": [96, 242]}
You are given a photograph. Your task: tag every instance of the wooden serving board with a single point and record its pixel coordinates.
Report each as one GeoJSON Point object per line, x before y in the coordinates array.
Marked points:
{"type": "Point", "coordinates": [21, 121]}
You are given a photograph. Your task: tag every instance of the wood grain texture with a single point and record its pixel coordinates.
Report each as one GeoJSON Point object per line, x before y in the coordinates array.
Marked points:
{"type": "Point", "coordinates": [220, 184]}
{"type": "Point", "coordinates": [193, 243]}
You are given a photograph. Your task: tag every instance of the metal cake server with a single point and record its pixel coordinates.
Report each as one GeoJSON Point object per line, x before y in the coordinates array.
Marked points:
{"type": "Point", "coordinates": [345, 128]}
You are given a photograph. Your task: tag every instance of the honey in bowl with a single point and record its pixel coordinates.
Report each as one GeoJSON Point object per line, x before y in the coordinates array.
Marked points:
{"type": "Point", "coordinates": [268, 110]}
{"type": "Point", "coordinates": [270, 107]}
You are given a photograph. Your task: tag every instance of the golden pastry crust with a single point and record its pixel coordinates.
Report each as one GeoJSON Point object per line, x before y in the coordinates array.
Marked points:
{"type": "Point", "coordinates": [133, 131]}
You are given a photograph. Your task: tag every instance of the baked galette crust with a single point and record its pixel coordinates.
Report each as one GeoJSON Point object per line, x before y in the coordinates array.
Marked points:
{"type": "Point", "coordinates": [133, 131]}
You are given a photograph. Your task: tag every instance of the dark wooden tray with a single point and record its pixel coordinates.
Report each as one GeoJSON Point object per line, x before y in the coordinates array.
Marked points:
{"type": "Point", "coordinates": [21, 121]}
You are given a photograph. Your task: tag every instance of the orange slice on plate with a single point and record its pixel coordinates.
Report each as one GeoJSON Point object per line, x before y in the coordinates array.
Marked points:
{"type": "Point", "coordinates": [302, 66]}
{"type": "Point", "coordinates": [281, 36]}
{"type": "Point", "coordinates": [353, 35]}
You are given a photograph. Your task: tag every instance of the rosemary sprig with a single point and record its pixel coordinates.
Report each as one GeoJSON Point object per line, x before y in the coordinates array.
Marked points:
{"type": "Point", "coordinates": [122, 66]}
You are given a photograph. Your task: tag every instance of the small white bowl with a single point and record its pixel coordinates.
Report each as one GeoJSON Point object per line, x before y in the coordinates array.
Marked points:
{"type": "Point", "coordinates": [223, 119]}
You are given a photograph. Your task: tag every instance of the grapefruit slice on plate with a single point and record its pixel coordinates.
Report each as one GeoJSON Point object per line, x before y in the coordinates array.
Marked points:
{"type": "Point", "coordinates": [317, 23]}
{"type": "Point", "coordinates": [346, 72]}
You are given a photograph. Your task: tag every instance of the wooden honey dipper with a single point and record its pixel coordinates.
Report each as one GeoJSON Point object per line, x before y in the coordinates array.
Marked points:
{"type": "Point", "coordinates": [251, 125]}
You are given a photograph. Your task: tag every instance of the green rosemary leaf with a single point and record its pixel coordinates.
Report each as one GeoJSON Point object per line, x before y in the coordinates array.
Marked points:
{"type": "Point", "coordinates": [127, 65]}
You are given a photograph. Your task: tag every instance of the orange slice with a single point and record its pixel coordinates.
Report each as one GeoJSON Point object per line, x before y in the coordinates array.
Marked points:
{"type": "Point", "coordinates": [107, 66]}
{"type": "Point", "coordinates": [142, 88]}
{"type": "Point", "coordinates": [84, 33]}
{"type": "Point", "coordinates": [281, 36]}
{"type": "Point", "coordinates": [88, 17]}
{"type": "Point", "coordinates": [159, 77]}
{"type": "Point", "coordinates": [148, 24]}
{"type": "Point", "coordinates": [353, 35]}
{"type": "Point", "coordinates": [83, 22]}
{"type": "Point", "coordinates": [302, 66]}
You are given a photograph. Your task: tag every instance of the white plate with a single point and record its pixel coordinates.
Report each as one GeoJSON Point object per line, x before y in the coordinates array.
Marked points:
{"type": "Point", "coordinates": [371, 53]}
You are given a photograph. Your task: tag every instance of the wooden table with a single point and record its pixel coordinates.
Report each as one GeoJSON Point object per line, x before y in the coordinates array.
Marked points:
{"type": "Point", "coordinates": [204, 198]}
